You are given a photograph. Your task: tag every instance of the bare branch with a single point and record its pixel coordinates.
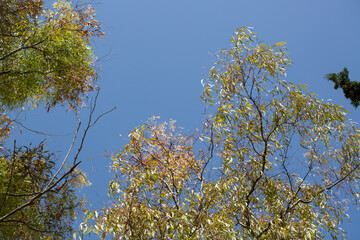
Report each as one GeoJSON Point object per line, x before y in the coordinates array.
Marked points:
{"type": "Point", "coordinates": [39, 132]}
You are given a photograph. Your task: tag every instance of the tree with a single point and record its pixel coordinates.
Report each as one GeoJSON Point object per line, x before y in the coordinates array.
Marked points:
{"type": "Point", "coordinates": [350, 88]}
{"type": "Point", "coordinates": [45, 58]}
{"type": "Point", "coordinates": [28, 170]}
{"type": "Point", "coordinates": [273, 161]}
{"type": "Point", "coordinates": [45, 54]}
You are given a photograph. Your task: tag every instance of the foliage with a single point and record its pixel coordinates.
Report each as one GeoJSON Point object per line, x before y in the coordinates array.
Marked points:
{"type": "Point", "coordinates": [25, 173]}
{"type": "Point", "coordinates": [37, 194]}
{"type": "Point", "coordinates": [277, 162]}
{"type": "Point", "coordinates": [45, 54]}
{"type": "Point", "coordinates": [289, 159]}
{"type": "Point", "coordinates": [158, 187]}
{"type": "Point", "coordinates": [45, 57]}
{"type": "Point", "coordinates": [350, 88]}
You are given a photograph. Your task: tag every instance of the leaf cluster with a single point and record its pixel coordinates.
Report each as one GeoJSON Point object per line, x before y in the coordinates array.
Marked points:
{"type": "Point", "coordinates": [24, 173]}
{"type": "Point", "coordinates": [45, 56]}
{"type": "Point", "coordinates": [350, 88]}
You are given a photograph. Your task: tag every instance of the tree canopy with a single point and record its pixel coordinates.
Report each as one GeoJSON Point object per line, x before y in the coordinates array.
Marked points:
{"type": "Point", "coordinates": [272, 162]}
{"type": "Point", "coordinates": [45, 58]}
{"type": "Point", "coordinates": [29, 209]}
{"type": "Point", "coordinates": [45, 54]}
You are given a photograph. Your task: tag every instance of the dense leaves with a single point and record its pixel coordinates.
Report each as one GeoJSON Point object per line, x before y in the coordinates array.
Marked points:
{"type": "Point", "coordinates": [25, 173]}
{"type": "Point", "coordinates": [350, 88]}
{"type": "Point", "coordinates": [274, 162]}
{"type": "Point", "coordinates": [45, 54]}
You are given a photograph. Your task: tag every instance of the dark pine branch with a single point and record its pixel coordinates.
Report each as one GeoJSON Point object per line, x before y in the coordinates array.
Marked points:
{"type": "Point", "coordinates": [350, 88]}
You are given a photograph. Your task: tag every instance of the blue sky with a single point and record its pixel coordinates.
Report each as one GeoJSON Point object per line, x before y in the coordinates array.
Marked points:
{"type": "Point", "coordinates": [156, 53]}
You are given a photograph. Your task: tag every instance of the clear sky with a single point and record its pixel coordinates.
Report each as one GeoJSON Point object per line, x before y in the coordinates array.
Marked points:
{"type": "Point", "coordinates": [156, 53]}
